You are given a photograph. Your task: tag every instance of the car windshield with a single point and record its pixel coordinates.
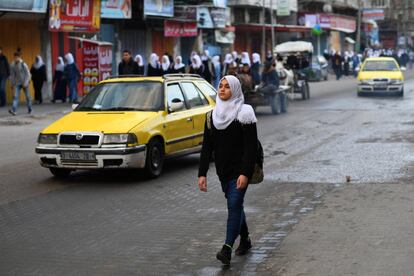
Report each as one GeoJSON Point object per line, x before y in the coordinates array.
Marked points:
{"type": "Point", "coordinates": [124, 96]}
{"type": "Point", "coordinates": [380, 65]}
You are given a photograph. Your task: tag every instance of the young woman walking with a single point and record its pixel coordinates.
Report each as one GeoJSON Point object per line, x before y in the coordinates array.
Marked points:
{"type": "Point", "coordinates": [230, 132]}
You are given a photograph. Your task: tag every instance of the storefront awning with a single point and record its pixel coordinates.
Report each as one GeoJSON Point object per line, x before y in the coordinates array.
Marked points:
{"type": "Point", "coordinates": [277, 27]}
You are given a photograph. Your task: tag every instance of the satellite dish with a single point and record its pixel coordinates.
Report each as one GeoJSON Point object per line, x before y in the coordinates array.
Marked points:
{"type": "Point", "coordinates": [327, 8]}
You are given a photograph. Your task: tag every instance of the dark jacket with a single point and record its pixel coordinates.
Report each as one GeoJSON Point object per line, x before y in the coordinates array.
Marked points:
{"type": "Point", "coordinates": [39, 74]}
{"type": "Point", "coordinates": [4, 66]}
{"type": "Point", "coordinates": [141, 70]}
{"type": "Point", "coordinates": [199, 71]}
{"type": "Point", "coordinates": [128, 68]}
{"type": "Point", "coordinates": [207, 70]}
{"type": "Point", "coordinates": [255, 72]}
{"type": "Point", "coordinates": [179, 70]}
{"type": "Point", "coordinates": [154, 72]}
{"type": "Point", "coordinates": [71, 72]}
{"type": "Point", "coordinates": [234, 150]}
{"type": "Point", "coordinates": [270, 77]}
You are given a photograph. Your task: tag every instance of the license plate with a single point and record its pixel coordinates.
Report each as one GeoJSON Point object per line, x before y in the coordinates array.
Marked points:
{"type": "Point", "coordinates": [78, 156]}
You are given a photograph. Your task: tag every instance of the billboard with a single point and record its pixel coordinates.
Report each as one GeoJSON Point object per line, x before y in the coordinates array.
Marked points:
{"type": "Point", "coordinates": [38, 6]}
{"type": "Point", "coordinates": [159, 8]}
{"type": "Point", "coordinates": [74, 15]}
{"type": "Point", "coordinates": [179, 29]}
{"type": "Point", "coordinates": [119, 9]}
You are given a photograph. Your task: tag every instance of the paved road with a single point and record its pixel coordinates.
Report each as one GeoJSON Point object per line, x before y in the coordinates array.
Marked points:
{"type": "Point", "coordinates": [118, 223]}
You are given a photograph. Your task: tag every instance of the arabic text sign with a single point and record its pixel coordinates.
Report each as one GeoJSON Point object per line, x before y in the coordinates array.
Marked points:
{"type": "Point", "coordinates": [179, 29]}
{"type": "Point", "coordinates": [75, 16]}
{"type": "Point", "coordinates": [373, 14]}
{"type": "Point", "coordinates": [116, 9]}
{"type": "Point", "coordinates": [159, 8]}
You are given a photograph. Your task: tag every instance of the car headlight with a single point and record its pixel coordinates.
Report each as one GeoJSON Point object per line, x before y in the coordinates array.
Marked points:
{"type": "Point", "coordinates": [127, 138]}
{"type": "Point", "coordinates": [47, 138]}
{"type": "Point", "coordinates": [396, 81]}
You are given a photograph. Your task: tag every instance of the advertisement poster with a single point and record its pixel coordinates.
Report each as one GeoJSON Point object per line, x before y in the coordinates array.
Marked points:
{"type": "Point", "coordinates": [117, 9]}
{"type": "Point", "coordinates": [179, 29]}
{"type": "Point", "coordinates": [105, 62]}
{"type": "Point", "coordinates": [159, 8]}
{"type": "Point", "coordinates": [283, 8]}
{"type": "Point", "coordinates": [90, 66]}
{"type": "Point", "coordinates": [185, 13]}
{"type": "Point", "coordinates": [39, 6]}
{"type": "Point", "coordinates": [74, 15]}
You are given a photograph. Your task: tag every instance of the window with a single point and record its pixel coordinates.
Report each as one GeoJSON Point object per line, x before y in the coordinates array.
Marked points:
{"type": "Point", "coordinates": [207, 89]}
{"type": "Point", "coordinates": [386, 65]}
{"type": "Point", "coordinates": [254, 15]}
{"type": "Point", "coordinates": [174, 93]}
{"type": "Point", "coordinates": [193, 95]}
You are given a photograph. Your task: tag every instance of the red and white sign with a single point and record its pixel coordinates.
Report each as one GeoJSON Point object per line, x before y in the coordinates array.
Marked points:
{"type": "Point", "coordinates": [90, 66]}
{"type": "Point", "coordinates": [179, 29]}
{"type": "Point", "coordinates": [75, 16]}
{"type": "Point", "coordinates": [341, 23]}
{"type": "Point", "coordinates": [105, 62]}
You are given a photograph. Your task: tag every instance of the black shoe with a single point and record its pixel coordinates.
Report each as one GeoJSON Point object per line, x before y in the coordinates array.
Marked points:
{"type": "Point", "coordinates": [244, 247]}
{"type": "Point", "coordinates": [224, 255]}
{"type": "Point", "coordinates": [29, 111]}
{"type": "Point", "coordinates": [12, 112]}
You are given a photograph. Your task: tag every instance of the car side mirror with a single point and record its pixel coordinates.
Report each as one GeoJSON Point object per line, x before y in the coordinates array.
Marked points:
{"type": "Point", "coordinates": [74, 106]}
{"type": "Point", "coordinates": [176, 105]}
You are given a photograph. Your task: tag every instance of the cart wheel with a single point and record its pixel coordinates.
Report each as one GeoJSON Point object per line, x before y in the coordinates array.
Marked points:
{"type": "Point", "coordinates": [275, 104]}
{"type": "Point", "coordinates": [303, 92]}
{"type": "Point", "coordinates": [284, 102]}
{"type": "Point", "coordinates": [307, 91]}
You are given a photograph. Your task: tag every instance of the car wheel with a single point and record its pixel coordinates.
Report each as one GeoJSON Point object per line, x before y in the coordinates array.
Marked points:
{"type": "Point", "coordinates": [305, 91]}
{"type": "Point", "coordinates": [401, 94]}
{"type": "Point", "coordinates": [60, 173]}
{"type": "Point", "coordinates": [275, 104]}
{"type": "Point", "coordinates": [284, 101]}
{"type": "Point", "coordinates": [155, 158]}
{"type": "Point", "coordinates": [326, 77]}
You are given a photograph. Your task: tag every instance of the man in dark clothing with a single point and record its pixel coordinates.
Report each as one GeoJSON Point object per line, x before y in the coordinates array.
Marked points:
{"type": "Point", "coordinates": [337, 65]}
{"type": "Point", "coordinates": [127, 66]}
{"type": "Point", "coordinates": [4, 74]}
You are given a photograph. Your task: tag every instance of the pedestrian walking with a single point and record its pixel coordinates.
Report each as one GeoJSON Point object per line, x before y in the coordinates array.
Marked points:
{"type": "Point", "coordinates": [232, 135]}
{"type": "Point", "coordinates": [179, 66]}
{"type": "Point", "coordinates": [154, 67]}
{"type": "Point", "coordinates": [4, 75]}
{"type": "Point", "coordinates": [337, 64]}
{"type": "Point", "coordinates": [245, 78]}
{"type": "Point", "coordinates": [20, 79]}
{"type": "Point", "coordinates": [236, 58]}
{"type": "Point", "coordinates": [216, 64]}
{"type": "Point", "coordinates": [270, 79]}
{"type": "Point", "coordinates": [245, 59]}
{"type": "Point", "coordinates": [347, 60]}
{"type": "Point", "coordinates": [355, 64]}
{"type": "Point", "coordinates": [228, 60]}
{"type": "Point", "coordinates": [59, 82]}
{"type": "Point", "coordinates": [140, 63]}
{"type": "Point", "coordinates": [255, 69]}
{"type": "Point", "coordinates": [206, 60]}
{"type": "Point", "coordinates": [197, 66]}
{"type": "Point", "coordinates": [165, 65]}
{"type": "Point", "coordinates": [127, 66]}
{"type": "Point", "coordinates": [38, 72]}
{"type": "Point", "coordinates": [72, 76]}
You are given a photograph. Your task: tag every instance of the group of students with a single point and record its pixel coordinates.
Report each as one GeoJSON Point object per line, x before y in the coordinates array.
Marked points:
{"type": "Point", "coordinates": [247, 68]}
{"type": "Point", "coordinates": [66, 75]}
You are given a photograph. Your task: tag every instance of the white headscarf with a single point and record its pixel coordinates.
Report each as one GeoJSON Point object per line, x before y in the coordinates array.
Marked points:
{"type": "Point", "coordinates": [165, 63]}
{"type": "Point", "coordinates": [179, 64]}
{"type": "Point", "coordinates": [225, 112]}
{"type": "Point", "coordinates": [216, 61]}
{"type": "Point", "coordinates": [69, 58]}
{"type": "Point", "coordinates": [154, 60]}
{"type": "Point", "coordinates": [196, 62]}
{"type": "Point", "coordinates": [205, 56]}
{"type": "Point", "coordinates": [228, 59]}
{"type": "Point", "coordinates": [245, 59]}
{"type": "Point", "coordinates": [60, 66]}
{"type": "Point", "coordinates": [256, 58]}
{"type": "Point", "coordinates": [140, 62]}
{"type": "Point", "coordinates": [38, 63]}
{"type": "Point", "coordinates": [235, 55]}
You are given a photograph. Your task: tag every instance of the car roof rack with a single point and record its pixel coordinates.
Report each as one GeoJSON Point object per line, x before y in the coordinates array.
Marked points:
{"type": "Point", "coordinates": [181, 76]}
{"type": "Point", "coordinates": [124, 76]}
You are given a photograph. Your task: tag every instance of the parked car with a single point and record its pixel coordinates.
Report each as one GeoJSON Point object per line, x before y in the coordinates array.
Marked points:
{"type": "Point", "coordinates": [129, 122]}
{"type": "Point", "coordinates": [380, 76]}
{"type": "Point", "coordinates": [319, 69]}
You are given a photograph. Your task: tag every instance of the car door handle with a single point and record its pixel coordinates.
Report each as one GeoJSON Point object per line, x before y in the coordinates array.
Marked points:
{"type": "Point", "coordinates": [189, 119]}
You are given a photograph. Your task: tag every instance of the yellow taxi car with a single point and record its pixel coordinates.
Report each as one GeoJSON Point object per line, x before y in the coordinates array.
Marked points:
{"type": "Point", "coordinates": [129, 122]}
{"type": "Point", "coordinates": [382, 76]}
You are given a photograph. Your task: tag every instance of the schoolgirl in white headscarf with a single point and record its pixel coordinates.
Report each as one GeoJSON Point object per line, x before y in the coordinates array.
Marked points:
{"type": "Point", "coordinates": [165, 65]}
{"type": "Point", "coordinates": [245, 59]}
{"type": "Point", "coordinates": [140, 62]}
{"type": "Point", "coordinates": [154, 67]}
{"type": "Point", "coordinates": [179, 66]}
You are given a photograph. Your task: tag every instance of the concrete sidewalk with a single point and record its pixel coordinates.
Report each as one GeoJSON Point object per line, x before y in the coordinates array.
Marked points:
{"type": "Point", "coordinates": [39, 110]}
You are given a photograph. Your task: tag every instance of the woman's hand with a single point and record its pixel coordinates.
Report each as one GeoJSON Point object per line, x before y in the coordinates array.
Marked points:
{"type": "Point", "coordinates": [242, 182]}
{"type": "Point", "coordinates": [202, 183]}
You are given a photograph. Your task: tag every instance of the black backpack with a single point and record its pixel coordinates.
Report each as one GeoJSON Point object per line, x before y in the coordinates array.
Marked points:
{"type": "Point", "coordinates": [258, 175]}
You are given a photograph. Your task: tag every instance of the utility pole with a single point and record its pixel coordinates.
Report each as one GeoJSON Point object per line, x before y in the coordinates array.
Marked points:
{"type": "Point", "coordinates": [358, 42]}
{"type": "Point", "coordinates": [272, 24]}
{"type": "Point", "coordinates": [263, 30]}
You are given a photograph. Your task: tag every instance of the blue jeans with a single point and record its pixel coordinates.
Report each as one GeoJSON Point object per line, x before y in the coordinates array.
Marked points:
{"type": "Point", "coordinates": [73, 90]}
{"type": "Point", "coordinates": [3, 90]}
{"type": "Point", "coordinates": [236, 220]}
{"type": "Point", "coordinates": [17, 90]}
